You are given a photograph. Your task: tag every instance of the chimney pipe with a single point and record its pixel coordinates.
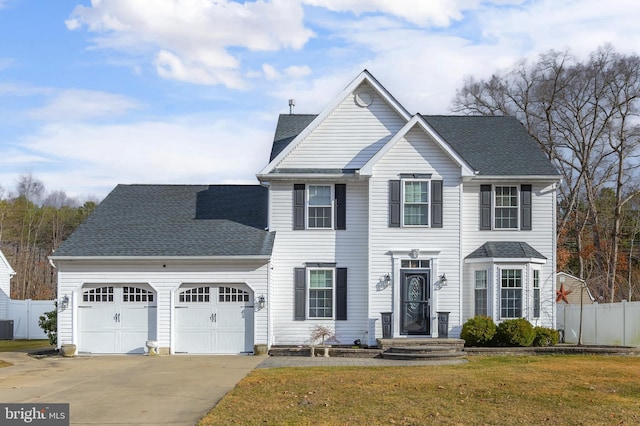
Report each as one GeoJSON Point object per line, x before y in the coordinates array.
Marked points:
{"type": "Point", "coordinates": [292, 103]}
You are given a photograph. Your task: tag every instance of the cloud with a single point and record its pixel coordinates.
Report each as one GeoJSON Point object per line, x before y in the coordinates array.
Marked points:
{"type": "Point", "coordinates": [187, 149]}
{"type": "Point", "coordinates": [74, 105]}
{"type": "Point", "coordinates": [190, 39]}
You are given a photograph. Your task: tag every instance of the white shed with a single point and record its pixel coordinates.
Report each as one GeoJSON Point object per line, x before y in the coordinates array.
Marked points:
{"type": "Point", "coordinates": [6, 272]}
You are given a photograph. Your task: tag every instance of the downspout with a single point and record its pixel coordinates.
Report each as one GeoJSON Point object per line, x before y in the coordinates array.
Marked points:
{"type": "Point", "coordinates": [460, 251]}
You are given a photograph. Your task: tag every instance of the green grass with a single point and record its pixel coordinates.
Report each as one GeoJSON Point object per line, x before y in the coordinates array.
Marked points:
{"type": "Point", "coordinates": [24, 345]}
{"type": "Point", "coordinates": [594, 390]}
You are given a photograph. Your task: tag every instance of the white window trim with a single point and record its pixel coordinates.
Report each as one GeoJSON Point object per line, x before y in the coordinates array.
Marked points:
{"type": "Point", "coordinates": [308, 290]}
{"type": "Point", "coordinates": [331, 205]}
{"type": "Point", "coordinates": [487, 290]}
{"type": "Point", "coordinates": [523, 290]}
{"type": "Point", "coordinates": [495, 206]}
{"type": "Point", "coordinates": [402, 203]}
{"type": "Point", "coordinates": [531, 286]}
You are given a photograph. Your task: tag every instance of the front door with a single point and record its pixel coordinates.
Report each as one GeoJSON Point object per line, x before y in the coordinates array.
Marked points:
{"type": "Point", "coordinates": [415, 310]}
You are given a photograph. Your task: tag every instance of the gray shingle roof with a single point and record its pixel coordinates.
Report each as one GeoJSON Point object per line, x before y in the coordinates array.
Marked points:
{"type": "Point", "coordinates": [175, 220]}
{"type": "Point", "coordinates": [492, 145]}
{"type": "Point", "coordinates": [505, 249]}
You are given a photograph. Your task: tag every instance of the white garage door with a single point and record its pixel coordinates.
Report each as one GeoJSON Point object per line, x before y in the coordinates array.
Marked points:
{"type": "Point", "coordinates": [214, 319]}
{"type": "Point", "coordinates": [116, 319]}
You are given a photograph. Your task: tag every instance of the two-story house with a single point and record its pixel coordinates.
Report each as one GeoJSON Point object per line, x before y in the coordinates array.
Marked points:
{"type": "Point", "coordinates": [363, 210]}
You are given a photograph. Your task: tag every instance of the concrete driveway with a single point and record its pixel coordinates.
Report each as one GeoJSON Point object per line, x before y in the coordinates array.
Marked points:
{"type": "Point", "coordinates": [125, 389]}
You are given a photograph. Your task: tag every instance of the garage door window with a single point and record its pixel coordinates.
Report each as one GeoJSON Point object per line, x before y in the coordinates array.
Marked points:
{"type": "Point", "coordinates": [100, 294]}
{"type": "Point", "coordinates": [135, 294]}
{"type": "Point", "coordinates": [230, 294]}
{"type": "Point", "coordinates": [195, 295]}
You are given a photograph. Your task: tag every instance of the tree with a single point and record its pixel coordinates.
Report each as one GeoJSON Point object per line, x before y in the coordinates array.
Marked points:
{"type": "Point", "coordinates": [584, 117]}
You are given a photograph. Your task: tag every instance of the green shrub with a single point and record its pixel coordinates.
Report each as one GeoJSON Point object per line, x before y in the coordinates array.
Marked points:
{"type": "Point", "coordinates": [49, 323]}
{"type": "Point", "coordinates": [546, 336]}
{"type": "Point", "coordinates": [515, 332]}
{"type": "Point", "coordinates": [478, 331]}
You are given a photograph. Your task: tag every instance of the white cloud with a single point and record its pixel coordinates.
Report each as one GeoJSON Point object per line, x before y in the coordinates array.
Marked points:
{"type": "Point", "coordinates": [73, 105]}
{"type": "Point", "coordinates": [191, 38]}
{"type": "Point", "coordinates": [270, 72]}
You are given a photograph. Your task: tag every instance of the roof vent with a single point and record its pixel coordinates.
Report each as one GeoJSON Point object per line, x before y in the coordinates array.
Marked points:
{"type": "Point", "coordinates": [292, 104]}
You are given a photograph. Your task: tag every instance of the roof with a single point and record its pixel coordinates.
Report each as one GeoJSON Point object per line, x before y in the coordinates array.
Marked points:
{"type": "Point", "coordinates": [505, 250]}
{"type": "Point", "coordinates": [492, 145]}
{"type": "Point", "coordinates": [175, 221]}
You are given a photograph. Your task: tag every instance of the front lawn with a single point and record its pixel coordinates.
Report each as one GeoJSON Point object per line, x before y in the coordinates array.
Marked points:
{"type": "Point", "coordinates": [24, 345]}
{"type": "Point", "coordinates": [571, 389]}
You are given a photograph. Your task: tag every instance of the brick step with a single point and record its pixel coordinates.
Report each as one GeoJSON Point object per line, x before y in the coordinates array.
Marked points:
{"type": "Point", "coordinates": [425, 356]}
{"type": "Point", "coordinates": [423, 349]}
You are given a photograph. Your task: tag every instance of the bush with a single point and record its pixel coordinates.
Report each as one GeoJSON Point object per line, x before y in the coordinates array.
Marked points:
{"type": "Point", "coordinates": [546, 336]}
{"type": "Point", "coordinates": [49, 323]}
{"type": "Point", "coordinates": [478, 331]}
{"type": "Point", "coordinates": [515, 332]}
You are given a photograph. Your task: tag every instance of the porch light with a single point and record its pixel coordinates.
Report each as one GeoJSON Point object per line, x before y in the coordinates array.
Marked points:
{"type": "Point", "coordinates": [443, 280]}
{"type": "Point", "coordinates": [64, 302]}
{"type": "Point", "coordinates": [387, 280]}
{"type": "Point", "coordinates": [261, 301]}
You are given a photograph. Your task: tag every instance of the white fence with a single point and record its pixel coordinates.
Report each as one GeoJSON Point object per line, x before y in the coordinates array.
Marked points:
{"type": "Point", "coordinates": [614, 324]}
{"type": "Point", "coordinates": [25, 315]}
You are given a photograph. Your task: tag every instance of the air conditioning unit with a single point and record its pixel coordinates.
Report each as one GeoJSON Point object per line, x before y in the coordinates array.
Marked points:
{"type": "Point", "coordinates": [6, 330]}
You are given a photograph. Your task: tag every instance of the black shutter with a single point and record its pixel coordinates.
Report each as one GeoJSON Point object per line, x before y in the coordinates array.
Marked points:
{"type": "Point", "coordinates": [341, 294]}
{"type": "Point", "coordinates": [525, 207]}
{"type": "Point", "coordinates": [394, 203]}
{"type": "Point", "coordinates": [436, 204]}
{"type": "Point", "coordinates": [341, 206]}
{"type": "Point", "coordinates": [298, 206]}
{"type": "Point", "coordinates": [485, 207]}
{"type": "Point", "coordinates": [299, 294]}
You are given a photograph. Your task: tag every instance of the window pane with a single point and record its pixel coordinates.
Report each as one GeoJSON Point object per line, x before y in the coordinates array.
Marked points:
{"type": "Point", "coordinates": [481, 292]}
{"type": "Point", "coordinates": [536, 294]}
{"type": "Point", "coordinates": [416, 192]}
{"type": "Point", "coordinates": [415, 214]}
{"type": "Point", "coordinates": [319, 217]}
{"type": "Point", "coordinates": [319, 195]}
{"type": "Point", "coordinates": [511, 293]}
{"type": "Point", "coordinates": [506, 211]}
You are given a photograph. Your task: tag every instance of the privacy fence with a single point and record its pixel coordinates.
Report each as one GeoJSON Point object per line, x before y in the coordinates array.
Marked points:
{"type": "Point", "coordinates": [614, 324]}
{"type": "Point", "coordinates": [25, 315]}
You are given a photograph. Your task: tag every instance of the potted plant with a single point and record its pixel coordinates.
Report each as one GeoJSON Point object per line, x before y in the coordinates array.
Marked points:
{"type": "Point", "coordinates": [322, 333]}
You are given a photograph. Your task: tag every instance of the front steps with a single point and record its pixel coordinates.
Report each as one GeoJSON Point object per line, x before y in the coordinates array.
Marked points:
{"type": "Point", "coordinates": [422, 349]}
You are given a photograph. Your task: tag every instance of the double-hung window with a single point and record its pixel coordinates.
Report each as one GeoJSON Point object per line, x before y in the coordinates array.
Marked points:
{"type": "Point", "coordinates": [506, 210]}
{"type": "Point", "coordinates": [480, 292]}
{"type": "Point", "coordinates": [536, 293]}
{"type": "Point", "coordinates": [321, 293]}
{"type": "Point", "coordinates": [319, 202]}
{"type": "Point", "coordinates": [415, 202]}
{"type": "Point", "coordinates": [511, 293]}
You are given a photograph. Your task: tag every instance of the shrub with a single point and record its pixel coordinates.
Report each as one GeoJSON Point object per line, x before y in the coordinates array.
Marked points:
{"type": "Point", "coordinates": [546, 336]}
{"type": "Point", "coordinates": [515, 332]}
{"type": "Point", "coordinates": [478, 331]}
{"type": "Point", "coordinates": [49, 323]}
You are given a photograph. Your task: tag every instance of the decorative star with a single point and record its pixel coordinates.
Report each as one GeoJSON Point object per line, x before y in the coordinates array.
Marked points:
{"type": "Point", "coordinates": [561, 295]}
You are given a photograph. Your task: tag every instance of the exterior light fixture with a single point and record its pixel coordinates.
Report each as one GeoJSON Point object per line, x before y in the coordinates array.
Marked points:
{"type": "Point", "coordinates": [443, 280]}
{"type": "Point", "coordinates": [261, 301]}
{"type": "Point", "coordinates": [387, 280]}
{"type": "Point", "coordinates": [64, 302]}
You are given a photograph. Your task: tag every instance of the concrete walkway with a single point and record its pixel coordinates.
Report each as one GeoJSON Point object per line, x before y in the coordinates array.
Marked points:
{"type": "Point", "coordinates": [125, 389]}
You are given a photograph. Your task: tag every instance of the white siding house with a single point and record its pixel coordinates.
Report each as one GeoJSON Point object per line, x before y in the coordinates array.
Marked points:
{"type": "Point", "coordinates": [363, 209]}
{"type": "Point", "coordinates": [6, 272]}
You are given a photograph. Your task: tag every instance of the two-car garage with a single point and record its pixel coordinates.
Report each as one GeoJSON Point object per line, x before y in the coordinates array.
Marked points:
{"type": "Point", "coordinates": [207, 318]}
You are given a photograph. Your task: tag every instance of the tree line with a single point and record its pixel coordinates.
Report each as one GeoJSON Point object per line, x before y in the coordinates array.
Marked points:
{"type": "Point", "coordinates": [584, 116]}
{"type": "Point", "coordinates": [33, 223]}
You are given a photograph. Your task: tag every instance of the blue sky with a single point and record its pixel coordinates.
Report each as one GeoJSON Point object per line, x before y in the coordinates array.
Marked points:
{"type": "Point", "coordinates": [93, 94]}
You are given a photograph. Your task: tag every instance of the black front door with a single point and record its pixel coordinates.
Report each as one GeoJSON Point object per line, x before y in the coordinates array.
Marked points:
{"type": "Point", "coordinates": [415, 312]}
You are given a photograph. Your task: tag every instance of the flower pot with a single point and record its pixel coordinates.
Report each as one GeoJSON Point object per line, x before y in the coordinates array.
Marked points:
{"type": "Point", "coordinates": [68, 350]}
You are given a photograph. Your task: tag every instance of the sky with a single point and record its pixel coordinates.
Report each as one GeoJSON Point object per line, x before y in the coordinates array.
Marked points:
{"type": "Point", "coordinates": [97, 93]}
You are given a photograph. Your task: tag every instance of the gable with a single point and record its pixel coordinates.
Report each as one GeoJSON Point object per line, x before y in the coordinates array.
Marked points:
{"type": "Point", "coordinates": [5, 266]}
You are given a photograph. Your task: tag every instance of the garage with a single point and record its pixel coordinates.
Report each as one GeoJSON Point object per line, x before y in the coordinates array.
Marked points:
{"type": "Point", "coordinates": [116, 318]}
{"type": "Point", "coordinates": [214, 319]}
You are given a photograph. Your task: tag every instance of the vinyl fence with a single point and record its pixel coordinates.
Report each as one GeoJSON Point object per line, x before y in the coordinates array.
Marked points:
{"type": "Point", "coordinates": [25, 315]}
{"type": "Point", "coordinates": [614, 324]}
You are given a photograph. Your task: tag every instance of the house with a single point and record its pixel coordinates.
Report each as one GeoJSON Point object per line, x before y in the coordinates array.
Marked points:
{"type": "Point", "coordinates": [6, 273]}
{"type": "Point", "coordinates": [362, 210]}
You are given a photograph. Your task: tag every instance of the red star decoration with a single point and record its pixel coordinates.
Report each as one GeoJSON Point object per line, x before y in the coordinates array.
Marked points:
{"type": "Point", "coordinates": [561, 295]}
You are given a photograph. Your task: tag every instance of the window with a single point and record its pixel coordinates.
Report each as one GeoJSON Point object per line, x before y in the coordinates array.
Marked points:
{"type": "Point", "coordinates": [136, 294]}
{"type": "Point", "coordinates": [511, 293]}
{"type": "Point", "coordinates": [415, 264]}
{"type": "Point", "coordinates": [536, 293]}
{"type": "Point", "coordinates": [100, 294]}
{"type": "Point", "coordinates": [230, 294]}
{"type": "Point", "coordinates": [321, 293]}
{"type": "Point", "coordinates": [480, 292]}
{"type": "Point", "coordinates": [506, 212]}
{"type": "Point", "coordinates": [416, 203]}
{"type": "Point", "coordinates": [319, 204]}
{"type": "Point", "coordinates": [195, 295]}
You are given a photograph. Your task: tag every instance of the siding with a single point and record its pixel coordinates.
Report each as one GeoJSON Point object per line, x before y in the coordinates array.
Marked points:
{"type": "Point", "coordinates": [348, 137]}
{"type": "Point", "coordinates": [541, 238]}
{"type": "Point", "coordinates": [292, 249]}
{"type": "Point", "coordinates": [165, 281]}
{"type": "Point", "coordinates": [5, 288]}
